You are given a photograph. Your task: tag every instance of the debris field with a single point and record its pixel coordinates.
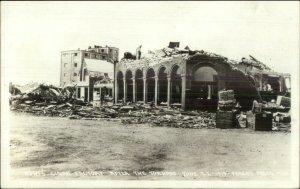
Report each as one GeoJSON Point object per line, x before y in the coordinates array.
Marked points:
{"type": "Point", "coordinates": [47, 100]}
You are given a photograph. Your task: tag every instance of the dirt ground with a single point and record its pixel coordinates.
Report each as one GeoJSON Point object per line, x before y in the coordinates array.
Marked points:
{"type": "Point", "coordinates": [59, 148]}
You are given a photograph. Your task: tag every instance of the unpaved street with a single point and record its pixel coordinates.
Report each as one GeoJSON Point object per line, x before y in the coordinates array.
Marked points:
{"type": "Point", "coordinates": [50, 146]}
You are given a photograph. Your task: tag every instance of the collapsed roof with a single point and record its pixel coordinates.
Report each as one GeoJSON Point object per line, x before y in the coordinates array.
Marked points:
{"type": "Point", "coordinates": [255, 63]}
{"type": "Point", "coordinates": [28, 87]}
{"type": "Point", "coordinates": [239, 75]}
{"type": "Point", "coordinates": [166, 54]}
{"type": "Point", "coordinates": [41, 92]}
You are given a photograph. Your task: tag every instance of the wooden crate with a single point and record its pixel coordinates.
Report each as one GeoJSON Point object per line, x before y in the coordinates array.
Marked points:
{"type": "Point", "coordinates": [226, 95]}
{"type": "Point", "coordinates": [226, 100]}
{"type": "Point", "coordinates": [226, 105]}
{"type": "Point", "coordinates": [225, 119]}
{"type": "Point", "coordinates": [283, 101]}
{"type": "Point", "coordinates": [259, 121]}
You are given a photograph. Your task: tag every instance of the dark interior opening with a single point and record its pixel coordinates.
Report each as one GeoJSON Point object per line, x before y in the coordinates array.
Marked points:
{"type": "Point", "coordinates": [274, 82]}
{"type": "Point", "coordinates": [175, 85]}
{"type": "Point", "coordinates": [78, 92]}
{"type": "Point", "coordinates": [120, 86]}
{"type": "Point", "coordinates": [85, 94]}
{"type": "Point", "coordinates": [162, 86]}
{"type": "Point", "coordinates": [204, 89]}
{"type": "Point", "coordinates": [201, 99]}
{"type": "Point", "coordinates": [129, 85]}
{"type": "Point", "coordinates": [150, 85]}
{"type": "Point", "coordinates": [139, 85]}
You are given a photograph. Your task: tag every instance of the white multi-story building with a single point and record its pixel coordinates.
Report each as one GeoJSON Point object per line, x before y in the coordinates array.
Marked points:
{"type": "Point", "coordinates": [85, 68]}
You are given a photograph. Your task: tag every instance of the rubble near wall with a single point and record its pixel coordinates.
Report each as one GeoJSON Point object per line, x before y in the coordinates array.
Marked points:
{"type": "Point", "coordinates": [126, 113]}
{"type": "Point", "coordinates": [132, 113]}
{"type": "Point", "coordinates": [47, 100]}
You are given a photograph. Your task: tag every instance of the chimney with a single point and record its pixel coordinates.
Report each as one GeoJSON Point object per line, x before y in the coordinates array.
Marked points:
{"type": "Point", "coordinates": [138, 52]}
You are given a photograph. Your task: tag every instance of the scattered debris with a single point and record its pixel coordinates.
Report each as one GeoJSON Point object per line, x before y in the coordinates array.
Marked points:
{"type": "Point", "coordinates": [241, 120]}
{"type": "Point", "coordinates": [282, 117]}
{"type": "Point", "coordinates": [48, 100]}
{"type": "Point", "coordinates": [261, 117]}
{"type": "Point", "coordinates": [128, 113]}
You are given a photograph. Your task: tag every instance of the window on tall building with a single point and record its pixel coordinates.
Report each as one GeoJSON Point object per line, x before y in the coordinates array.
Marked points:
{"type": "Point", "coordinates": [110, 50]}
{"type": "Point", "coordinates": [103, 57]}
{"type": "Point", "coordinates": [75, 74]}
{"type": "Point", "coordinates": [102, 50]}
{"type": "Point", "coordinates": [86, 54]}
{"type": "Point", "coordinates": [75, 54]}
{"type": "Point", "coordinates": [65, 64]}
{"type": "Point", "coordinates": [93, 56]}
{"type": "Point", "coordinates": [75, 64]}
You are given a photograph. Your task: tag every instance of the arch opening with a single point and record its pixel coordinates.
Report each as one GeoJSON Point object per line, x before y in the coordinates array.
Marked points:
{"type": "Point", "coordinates": [139, 85]}
{"type": "Point", "coordinates": [204, 88]}
{"type": "Point", "coordinates": [175, 85]}
{"type": "Point", "coordinates": [150, 85]}
{"type": "Point", "coordinates": [129, 86]}
{"type": "Point", "coordinates": [120, 85]}
{"type": "Point", "coordinates": [162, 86]}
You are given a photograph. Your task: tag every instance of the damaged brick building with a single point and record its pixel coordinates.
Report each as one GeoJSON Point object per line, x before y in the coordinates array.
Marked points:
{"type": "Point", "coordinates": [90, 70]}
{"type": "Point", "coordinates": [191, 79]}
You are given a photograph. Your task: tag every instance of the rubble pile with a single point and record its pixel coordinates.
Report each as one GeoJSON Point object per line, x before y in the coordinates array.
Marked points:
{"type": "Point", "coordinates": [48, 100]}
{"type": "Point", "coordinates": [41, 99]}
{"type": "Point", "coordinates": [166, 54]}
{"type": "Point", "coordinates": [169, 117]}
{"type": "Point", "coordinates": [173, 52]}
{"type": "Point", "coordinates": [282, 121]}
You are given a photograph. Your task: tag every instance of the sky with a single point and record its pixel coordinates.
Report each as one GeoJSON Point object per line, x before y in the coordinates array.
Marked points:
{"type": "Point", "coordinates": [34, 33]}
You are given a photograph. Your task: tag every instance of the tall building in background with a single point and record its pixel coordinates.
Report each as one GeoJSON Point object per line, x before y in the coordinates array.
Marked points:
{"type": "Point", "coordinates": [72, 61]}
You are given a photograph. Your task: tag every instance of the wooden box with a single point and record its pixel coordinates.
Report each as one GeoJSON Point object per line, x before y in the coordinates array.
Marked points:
{"type": "Point", "coordinates": [225, 119]}
{"type": "Point", "coordinates": [259, 121]}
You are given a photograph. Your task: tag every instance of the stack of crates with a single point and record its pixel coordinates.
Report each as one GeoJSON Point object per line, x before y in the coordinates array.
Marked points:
{"type": "Point", "coordinates": [226, 116]}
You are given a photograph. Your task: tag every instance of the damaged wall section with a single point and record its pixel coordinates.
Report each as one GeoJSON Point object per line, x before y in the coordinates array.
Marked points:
{"type": "Point", "coordinates": [192, 79]}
